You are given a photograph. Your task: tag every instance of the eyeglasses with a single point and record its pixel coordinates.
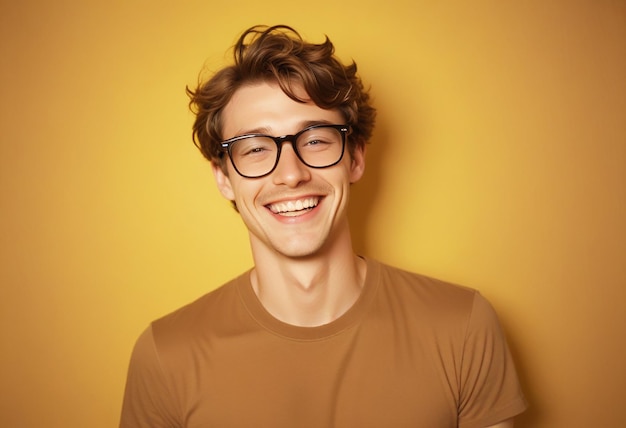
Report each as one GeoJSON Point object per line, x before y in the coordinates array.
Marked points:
{"type": "Point", "coordinates": [256, 155]}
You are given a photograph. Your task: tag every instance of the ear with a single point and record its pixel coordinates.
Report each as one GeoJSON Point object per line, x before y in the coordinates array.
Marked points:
{"type": "Point", "coordinates": [223, 181]}
{"type": "Point", "coordinates": [357, 167]}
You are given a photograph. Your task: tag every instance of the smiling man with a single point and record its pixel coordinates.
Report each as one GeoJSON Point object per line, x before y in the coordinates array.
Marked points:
{"type": "Point", "coordinates": [313, 335]}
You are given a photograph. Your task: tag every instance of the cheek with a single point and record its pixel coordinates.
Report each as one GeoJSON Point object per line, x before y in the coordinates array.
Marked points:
{"type": "Point", "coordinates": [245, 194]}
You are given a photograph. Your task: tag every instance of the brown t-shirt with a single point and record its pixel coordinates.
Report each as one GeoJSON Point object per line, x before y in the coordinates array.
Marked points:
{"type": "Point", "coordinates": [411, 352]}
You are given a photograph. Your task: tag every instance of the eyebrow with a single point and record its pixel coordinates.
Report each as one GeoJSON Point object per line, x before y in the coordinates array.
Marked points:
{"type": "Point", "coordinates": [263, 130]}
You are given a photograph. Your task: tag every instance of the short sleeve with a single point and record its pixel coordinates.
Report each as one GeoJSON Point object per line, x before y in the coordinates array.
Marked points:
{"type": "Point", "coordinates": [490, 390]}
{"type": "Point", "coordinates": [147, 401]}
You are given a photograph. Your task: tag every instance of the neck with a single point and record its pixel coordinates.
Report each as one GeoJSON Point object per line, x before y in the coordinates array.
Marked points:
{"type": "Point", "coordinates": [308, 291]}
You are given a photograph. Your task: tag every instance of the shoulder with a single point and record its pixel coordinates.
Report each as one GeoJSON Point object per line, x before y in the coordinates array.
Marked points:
{"type": "Point", "coordinates": [200, 316]}
{"type": "Point", "coordinates": [415, 287]}
{"type": "Point", "coordinates": [427, 299]}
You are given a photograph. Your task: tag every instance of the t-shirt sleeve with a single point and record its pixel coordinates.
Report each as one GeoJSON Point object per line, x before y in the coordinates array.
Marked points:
{"type": "Point", "coordinates": [147, 400]}
{"type": "Point", "coordinates": [490, 390]}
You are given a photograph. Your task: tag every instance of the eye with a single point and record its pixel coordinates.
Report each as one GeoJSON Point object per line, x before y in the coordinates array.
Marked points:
{"type": "Point", "coordinates": [253, 150]}
{"type": "Point", "coordinates": [253, 147]}
{"type": "Point", "coordinates": [315, 142]}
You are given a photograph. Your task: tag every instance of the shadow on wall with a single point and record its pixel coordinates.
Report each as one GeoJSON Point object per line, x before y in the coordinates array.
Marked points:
{"type": "Point", "coordinates": [364, 193]}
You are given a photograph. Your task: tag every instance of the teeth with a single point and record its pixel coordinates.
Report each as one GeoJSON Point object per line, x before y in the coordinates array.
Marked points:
{"type": "Point", "coordinates": [291, 206]}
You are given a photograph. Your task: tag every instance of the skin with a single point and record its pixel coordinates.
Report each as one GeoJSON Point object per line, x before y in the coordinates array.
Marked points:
{"type": "Point", "coordinates": [505, 424]}
{"type": "Point", "coordinates": [297, 256]}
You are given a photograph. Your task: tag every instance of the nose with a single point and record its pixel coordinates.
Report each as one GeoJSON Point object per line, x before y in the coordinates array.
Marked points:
{"type": "Point", "coordinates": [290, 170]}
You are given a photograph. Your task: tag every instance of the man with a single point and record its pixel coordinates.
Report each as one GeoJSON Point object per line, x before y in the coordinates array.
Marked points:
{"type": "Point", "coordinates": [313, 335]}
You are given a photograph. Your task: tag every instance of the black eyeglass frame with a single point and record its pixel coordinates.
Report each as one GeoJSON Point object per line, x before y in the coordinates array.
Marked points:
{"type": "Point", "coordinates": [226, 146]}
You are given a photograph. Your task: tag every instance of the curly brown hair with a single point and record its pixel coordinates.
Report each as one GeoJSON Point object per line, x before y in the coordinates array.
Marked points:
{"type": "Point", "coordinates": [279, 54]}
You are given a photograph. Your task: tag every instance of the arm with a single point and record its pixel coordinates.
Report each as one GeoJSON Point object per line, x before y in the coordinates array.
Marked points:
{"type": "Point", "coordinates": [147, 401]}
{"type": "Point", "coordinates": [490, 391]}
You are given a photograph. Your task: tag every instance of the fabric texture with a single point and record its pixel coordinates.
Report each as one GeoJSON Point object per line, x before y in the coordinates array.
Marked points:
{"type": "Point", "coordinates": [411, 352]}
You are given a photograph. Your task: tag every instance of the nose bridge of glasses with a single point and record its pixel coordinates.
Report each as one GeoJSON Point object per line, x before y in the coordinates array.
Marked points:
{"type": "Point", "coordinates": [280, 141]}
{"type": "Point", "coordinates": [289, 167]}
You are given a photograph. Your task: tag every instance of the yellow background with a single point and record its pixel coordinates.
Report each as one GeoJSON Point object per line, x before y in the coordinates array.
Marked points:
{"type": "Point", "coordinates": [498, 162]}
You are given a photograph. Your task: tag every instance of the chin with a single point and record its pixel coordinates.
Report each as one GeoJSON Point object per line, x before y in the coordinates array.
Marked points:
{"type": "Point", "coordinates": [299, 251]}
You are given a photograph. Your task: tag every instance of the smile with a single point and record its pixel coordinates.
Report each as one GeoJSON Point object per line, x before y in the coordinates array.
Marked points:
{"type": "Point", "coordinates": [293, 208]}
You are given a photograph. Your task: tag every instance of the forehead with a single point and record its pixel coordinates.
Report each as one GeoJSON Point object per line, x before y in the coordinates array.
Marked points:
{"type": "Point", "coordinates": [264, 107]}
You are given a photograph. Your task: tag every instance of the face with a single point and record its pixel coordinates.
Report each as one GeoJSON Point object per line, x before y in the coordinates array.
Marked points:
{"type": "Point", "coordinates": [296, 211]}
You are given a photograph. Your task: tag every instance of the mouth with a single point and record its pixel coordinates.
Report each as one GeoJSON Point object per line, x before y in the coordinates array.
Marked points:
{"type": "Point", "coordinates": [294, 208]}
